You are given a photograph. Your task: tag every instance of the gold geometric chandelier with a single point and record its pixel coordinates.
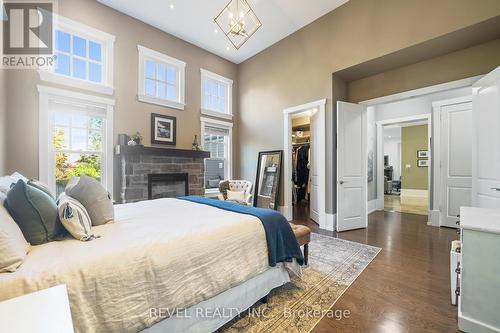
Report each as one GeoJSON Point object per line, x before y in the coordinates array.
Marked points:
{"type": "Point", "coordinates": [238, 22]}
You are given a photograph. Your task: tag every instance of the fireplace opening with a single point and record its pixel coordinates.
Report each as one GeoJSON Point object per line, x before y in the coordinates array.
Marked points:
{"type": "Point", "coordinates": [167, 185]}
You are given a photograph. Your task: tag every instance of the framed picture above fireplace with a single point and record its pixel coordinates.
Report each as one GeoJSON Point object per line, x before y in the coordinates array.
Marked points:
{"type": "Point", "coordinates": [163, 129]}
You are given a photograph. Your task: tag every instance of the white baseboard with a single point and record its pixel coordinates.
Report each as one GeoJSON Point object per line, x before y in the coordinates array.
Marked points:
{"type": "Point", "coordinates": [414, 193]}
{"type": "Point", "coordinates": [434, 216]}
{"type": "Point", "coordinates": [380, 203]}
{"type": "Point", "coordinates": [372, 206]}
{"type": "Point", "coordinates": [331, 221]}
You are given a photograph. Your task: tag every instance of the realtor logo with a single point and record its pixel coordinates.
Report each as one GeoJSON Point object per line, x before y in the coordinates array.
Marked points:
{"type": "Point", "coordinates": [27, 34]}
{"type": "Point", "coordinates": [28, 28]}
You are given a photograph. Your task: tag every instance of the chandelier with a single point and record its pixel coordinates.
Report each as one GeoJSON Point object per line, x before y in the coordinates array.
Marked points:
{"type": "Point", "coordinates": [238, 22]}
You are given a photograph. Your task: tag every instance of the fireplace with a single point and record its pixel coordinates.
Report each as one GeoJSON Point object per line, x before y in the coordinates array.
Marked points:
{"type": "Point", "coordinates": [167, 185]}
{"type": "Point", "coordinates": [144, 173]}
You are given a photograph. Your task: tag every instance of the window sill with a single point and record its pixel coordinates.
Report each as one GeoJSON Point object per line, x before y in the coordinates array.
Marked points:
{"type": "Point", "coordinates": [213, 192]}
{"type": "Point", "coordinates": [161, 102]}
{"type": "Point", "coordinates": [76, 83]}
{"type": "Point", "coordinates": [216, 114]}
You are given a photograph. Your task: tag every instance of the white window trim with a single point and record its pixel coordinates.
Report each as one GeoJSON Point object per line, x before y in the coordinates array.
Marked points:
{"type": "Point", "coordinates": [229, 94]}
{"type": "Point", "coordinates": [145, 52]}
{"type": "Point", "coordinates": [46, 164]}
{"type": "Point", "coordinates": [226, 125]}
{"type": "Point", "coordinates": [82, 30]}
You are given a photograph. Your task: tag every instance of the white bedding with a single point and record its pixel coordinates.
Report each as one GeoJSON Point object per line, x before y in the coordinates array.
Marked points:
{"type": "Point", "coordinates": [163, 253]}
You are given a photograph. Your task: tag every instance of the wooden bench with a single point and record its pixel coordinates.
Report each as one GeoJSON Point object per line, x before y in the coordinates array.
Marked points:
{"type": "Point", "coordinates": [303, 235]}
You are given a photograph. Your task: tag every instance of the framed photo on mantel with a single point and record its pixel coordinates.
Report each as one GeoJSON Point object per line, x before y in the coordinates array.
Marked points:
{"type": "Point", "coordinates": [163, 129]}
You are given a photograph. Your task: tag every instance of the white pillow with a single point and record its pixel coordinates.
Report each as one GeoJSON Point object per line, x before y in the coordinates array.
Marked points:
{"type": "Point", "coordinates": [13, 245]}
{"type": "Point", "coordinates": [238, 196]}
{"type": "Point", "coordinates": [74, 218]}
{"type": "Point", "coordinates": [7, 181]}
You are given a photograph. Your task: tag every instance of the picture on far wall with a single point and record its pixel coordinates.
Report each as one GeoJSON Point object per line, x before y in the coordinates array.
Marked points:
{"type": "Point", "coordinates": [423, 163]}
{"type": "Point", "coordinates": [163, 129]}
{"type": "Point", "coordinates": [422, 154]}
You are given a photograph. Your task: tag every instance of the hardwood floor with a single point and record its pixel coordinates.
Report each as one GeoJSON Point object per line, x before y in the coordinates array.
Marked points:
{"type": "Point", "coordinates": [412, 205]}
{"type": "Point", "coordinates": [406, 287]}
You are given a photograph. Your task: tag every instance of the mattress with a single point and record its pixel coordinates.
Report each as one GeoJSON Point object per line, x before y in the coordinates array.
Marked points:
{"type": "Point", "coordinates": [158, 254]}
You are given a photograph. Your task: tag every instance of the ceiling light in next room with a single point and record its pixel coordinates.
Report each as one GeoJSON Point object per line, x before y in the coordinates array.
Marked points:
{"type": "Point", "coordinates": [172, 6]}
{"type": "Point", "coordinates": [238, 22]}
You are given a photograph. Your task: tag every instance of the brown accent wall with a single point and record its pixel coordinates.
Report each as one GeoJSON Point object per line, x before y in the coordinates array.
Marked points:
{"type": "Point", "coordinates": [299, 68]}
{"type": "Point", "coordinates": [129, 114]}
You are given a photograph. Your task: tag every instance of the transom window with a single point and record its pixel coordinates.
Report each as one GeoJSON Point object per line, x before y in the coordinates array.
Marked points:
{"type": "Point", "coordinates": [84, 57]}
{"type": "Point", "coordinates": [216, 95]}
{"type": "Point", "coordinates": [78, 57]}
{"type": "Point", "coordinates": [161, 79]}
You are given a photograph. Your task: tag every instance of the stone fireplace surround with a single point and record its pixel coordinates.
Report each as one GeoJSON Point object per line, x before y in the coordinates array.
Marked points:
{"type": "Point", "coordinates": [134, 166]}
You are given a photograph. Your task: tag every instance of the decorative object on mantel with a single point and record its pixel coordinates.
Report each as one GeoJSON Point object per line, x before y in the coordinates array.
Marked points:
{"type": "Point", "coordinates": [195, 145]}
{"type": "Point", "coordinates": [163, 129]}
{"type": "Point", "coordinates": [131, 143]}
{"type": "Point", "coordinates": [238, 22]}
{"type": "Point", "coordinates": [137, 137]}
{"type": "Point", "coordinates": [267, 184]}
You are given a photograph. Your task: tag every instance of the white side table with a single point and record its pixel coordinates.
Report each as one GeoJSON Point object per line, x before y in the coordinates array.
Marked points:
{"type": "Point", "coordinates": [44, 311]}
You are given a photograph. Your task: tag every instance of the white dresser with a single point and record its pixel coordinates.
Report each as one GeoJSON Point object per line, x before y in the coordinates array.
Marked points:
{"type": "Point", "coordinates": [479, 272]}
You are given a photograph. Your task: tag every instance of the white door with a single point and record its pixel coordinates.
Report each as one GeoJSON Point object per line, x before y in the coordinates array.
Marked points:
{"type": "Point", "coordinates": [314, 168]}
{"type": "Point", "coordinates": [351, 166]}
{"type": "Point", "coordinates": [486, 144]}
{"type": "Point", "coordinates": [456, 160]}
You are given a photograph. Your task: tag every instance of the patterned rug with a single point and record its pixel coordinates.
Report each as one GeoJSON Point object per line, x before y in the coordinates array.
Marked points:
{"type": "Point", "coordinates": [298, 306]}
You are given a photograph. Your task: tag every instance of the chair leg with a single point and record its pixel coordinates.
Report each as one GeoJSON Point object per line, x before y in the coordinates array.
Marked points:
{"type": "Point", "coordinates": [306, 253]}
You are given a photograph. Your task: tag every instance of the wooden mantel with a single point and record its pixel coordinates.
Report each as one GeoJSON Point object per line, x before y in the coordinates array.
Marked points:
{"type": "Point", "coordinates": [159, 151]}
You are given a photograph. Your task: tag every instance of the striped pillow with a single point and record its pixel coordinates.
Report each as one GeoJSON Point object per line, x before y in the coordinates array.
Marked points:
{"type": "Point", "coordinates": [74, 218]}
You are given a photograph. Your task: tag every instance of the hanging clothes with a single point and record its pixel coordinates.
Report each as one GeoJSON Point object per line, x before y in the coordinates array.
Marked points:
{"type": "Point", "coordinates": [302, 171]}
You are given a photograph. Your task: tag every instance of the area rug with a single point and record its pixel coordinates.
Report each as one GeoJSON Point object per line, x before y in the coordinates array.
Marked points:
{"type": "Point", "coordinates": [298, 306]}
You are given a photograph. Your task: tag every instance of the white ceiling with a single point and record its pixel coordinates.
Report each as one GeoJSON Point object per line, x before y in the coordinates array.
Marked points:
{"type": "Point", "coordinates": [193, 21]}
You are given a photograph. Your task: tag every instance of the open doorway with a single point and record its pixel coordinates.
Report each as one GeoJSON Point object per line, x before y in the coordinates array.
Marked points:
{"type": "Point", "coordinates": [302, 163]}
{"type": "Point", "coordinates": [304, 167]}
{"type": "Point", "coordinates": [406, 167]}
{"type": "Point", "coordinates": [426, 177]}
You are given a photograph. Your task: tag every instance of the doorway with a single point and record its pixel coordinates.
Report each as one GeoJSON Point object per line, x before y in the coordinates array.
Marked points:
{"type": "Point", "coordinates": [406, 171]}
{"type": "Point", "coordinates": [304, 167]}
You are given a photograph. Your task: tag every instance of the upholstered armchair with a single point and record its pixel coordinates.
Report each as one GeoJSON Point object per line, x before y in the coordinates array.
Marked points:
{"type": "Point", "coordinates": [237, 186]}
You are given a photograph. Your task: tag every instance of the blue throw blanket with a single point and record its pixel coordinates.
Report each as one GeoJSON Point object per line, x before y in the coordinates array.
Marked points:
{"type": "Point", "coordinates": [281, 242]}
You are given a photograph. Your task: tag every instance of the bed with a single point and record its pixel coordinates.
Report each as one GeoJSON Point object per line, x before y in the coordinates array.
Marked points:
{"type": "Point", "coordinates": [158, 255]}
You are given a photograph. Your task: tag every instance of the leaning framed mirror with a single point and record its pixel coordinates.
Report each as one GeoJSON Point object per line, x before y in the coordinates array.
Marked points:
{"type": "Point", "coordinates": [267, 183]}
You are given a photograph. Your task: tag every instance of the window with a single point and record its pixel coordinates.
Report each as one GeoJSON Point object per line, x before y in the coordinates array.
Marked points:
{"type": "Point", "coordinates": [216, 139]}
{"type": "Point", "coordinates": [84, 57]}
{"type": "Point", "coordinates": [216, 95]}
{"type": "Point", "coordinates": [78, 135]}
{"type": "Point", "coordinates": [77, 144]}
{"type": "Point", "coordinates": [161, 79]}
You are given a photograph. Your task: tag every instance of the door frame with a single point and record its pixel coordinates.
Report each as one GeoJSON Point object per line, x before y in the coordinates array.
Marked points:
{"type": "Point", "coordinates": [437, 203]}
{"type": "Point", "coordinates": [287, 210]}
{"type": "Point", "coordinates": [380, 153]}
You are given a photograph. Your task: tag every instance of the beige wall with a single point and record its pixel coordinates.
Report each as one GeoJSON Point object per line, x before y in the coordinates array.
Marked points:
{"type": "Point", "coordinates": [129, 115]}
{"type": "Point", "coordinates": [413, 139]}
{"type": "Point", "coordinates": [457, 65]}
{"type": "Point", "coordinates": [299, 68]}
{"type": "Point", "coordinates": [3, 123]}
